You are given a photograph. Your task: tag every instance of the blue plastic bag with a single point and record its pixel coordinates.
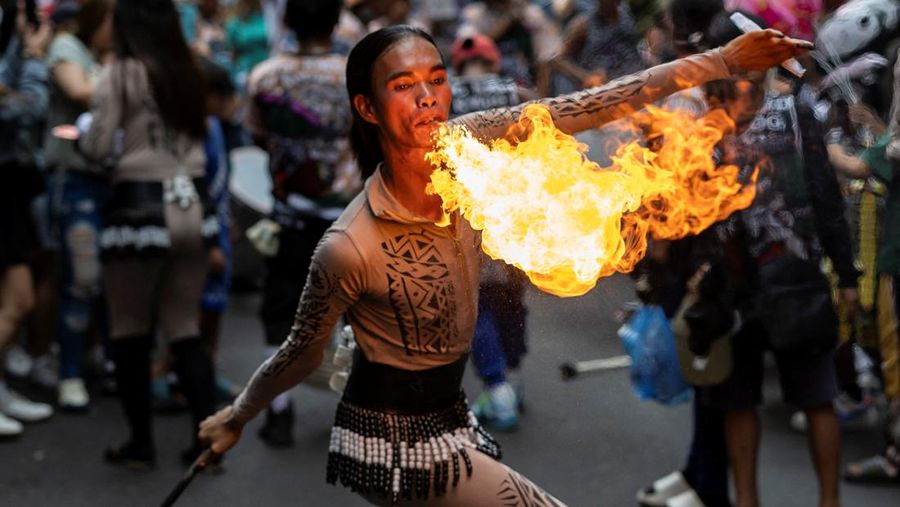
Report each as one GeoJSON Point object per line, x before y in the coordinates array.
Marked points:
{"type": "Point", "coordinates": [655, 372]}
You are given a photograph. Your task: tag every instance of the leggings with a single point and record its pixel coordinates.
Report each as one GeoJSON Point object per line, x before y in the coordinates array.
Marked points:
{"type": "Point", "coordinates": [499, 341]}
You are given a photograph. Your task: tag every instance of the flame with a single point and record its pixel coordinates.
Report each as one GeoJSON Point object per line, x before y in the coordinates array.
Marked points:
{"type": "Point", "coordinates": [543, 207]}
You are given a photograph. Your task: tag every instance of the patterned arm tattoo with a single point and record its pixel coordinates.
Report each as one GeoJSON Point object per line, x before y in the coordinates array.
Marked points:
{"type": "Point", "coordinates": [594, 107]}
{"type": "Point", "coordinates": [310, 320]}
{"type": "Point", "coordinates": [517, 491]}
{"type": "Point", "coordinates": [325, 297]}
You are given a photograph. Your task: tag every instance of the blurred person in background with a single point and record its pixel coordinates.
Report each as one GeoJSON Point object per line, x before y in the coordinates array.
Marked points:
{"type": "Point", "coordinates": [396, 12]}
{"type": "Point", "coordinates": [349, 31]}
{"type": "Point", "coordinates": [796, 219]}
{"type": "Point", "coordinates": [665, 277]}
{"type": "Point", "coordinates": [30, 357]}
{"type": "Point", "coordinates": [602, 44]}
{"type": "Point", "coordinates": [79, 190]}
{"type": "Point", "coordinates": [853, 130]}
{"type": "Point", "coordinates": [221, 101]}
{"type": "Point", "coordinates": [498, 345]}
{"type": "Point", "coordinates": [211, 41]}
{"type": "Point", "coordinates": [300, 116]}
{"type": "Point", "coordinates": [149, 122]}
{"type": "Point", "coordinates": [247, 36]}
{"type": "Point", "coordinates": [526, 37]}
{"type": "Point", "coordinates": [882, 160]}
{"type": "Point", "coordinates": [23, 106]}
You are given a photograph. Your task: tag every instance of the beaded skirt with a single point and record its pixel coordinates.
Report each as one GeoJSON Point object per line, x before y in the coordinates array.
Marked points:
{"type": "Point", "coordinates": [397, 455]}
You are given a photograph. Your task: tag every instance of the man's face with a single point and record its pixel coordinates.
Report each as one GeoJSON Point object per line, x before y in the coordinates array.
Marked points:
{"type": "Point", "coordinates": [411, 96]}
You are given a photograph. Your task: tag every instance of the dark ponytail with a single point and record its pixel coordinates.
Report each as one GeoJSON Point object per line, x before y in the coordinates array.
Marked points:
{"type": "Point", "coordinates": [360, 64]}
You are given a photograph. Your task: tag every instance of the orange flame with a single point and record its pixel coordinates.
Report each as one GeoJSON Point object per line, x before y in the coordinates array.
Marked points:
{"type": "Point", "coordinates": [565, 221]}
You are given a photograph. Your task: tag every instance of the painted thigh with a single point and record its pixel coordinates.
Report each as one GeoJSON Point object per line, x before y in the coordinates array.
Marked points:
{"type": "Point", "coordinates": [492, 484]}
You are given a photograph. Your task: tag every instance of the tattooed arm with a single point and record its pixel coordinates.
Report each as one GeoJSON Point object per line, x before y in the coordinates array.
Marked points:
{"type": "Point", "coordinates": [333, 284]}
{"type": "Point", "coordinates": [593, 107]}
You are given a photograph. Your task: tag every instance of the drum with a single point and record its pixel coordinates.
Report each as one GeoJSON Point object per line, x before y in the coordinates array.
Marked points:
{"type": "Point", "coordinates": [250, 186]}
{"type": "Point", "coordinates": [250, 182]}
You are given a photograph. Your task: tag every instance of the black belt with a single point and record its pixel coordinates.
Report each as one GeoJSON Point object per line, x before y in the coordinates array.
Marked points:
{"type": "Point", "coordinates": [380, 387]}
{"type": "Point", "coordinates": [146, 194]}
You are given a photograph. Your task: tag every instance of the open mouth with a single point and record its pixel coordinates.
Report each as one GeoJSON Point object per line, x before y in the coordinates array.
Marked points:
{"type": "Point", "coordinates": [429, 122]}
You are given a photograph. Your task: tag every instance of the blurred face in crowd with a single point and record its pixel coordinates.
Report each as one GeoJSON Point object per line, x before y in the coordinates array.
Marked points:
{"type": "Point", "coordinates": [411, 95]}
{"type": "Point", "coordinates": [741, 97]}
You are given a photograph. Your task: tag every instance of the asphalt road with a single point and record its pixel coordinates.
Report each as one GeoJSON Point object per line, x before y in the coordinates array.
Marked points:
{"type": "Point", "coordinates": [589, 441]}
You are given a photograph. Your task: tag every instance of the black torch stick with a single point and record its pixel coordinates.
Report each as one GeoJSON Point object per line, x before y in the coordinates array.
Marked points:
{"type": "Point", "coordinates": [206, 457]}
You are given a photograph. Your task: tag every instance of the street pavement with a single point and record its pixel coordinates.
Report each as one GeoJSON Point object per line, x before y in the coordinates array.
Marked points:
{"type": "Point", "coordinates": [588, 441]}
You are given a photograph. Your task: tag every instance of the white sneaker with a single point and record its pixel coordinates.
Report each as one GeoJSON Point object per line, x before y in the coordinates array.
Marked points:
{"type": "Point", "coordinates": [664, 489]}
{"type": "Point", "coordinates": [18, 407]}
{"type": "Point", "coordinates": [497, 408]}
{"type": "Point", "coordinates": [9, 427]}
{"type": "Point", "coordinates": [45, 372]}
{"type": "Point", "coordinates": [18, 362]}
{"type": "Point", "coordinates": [687, 499]}
{"type": "Point", "coordinates": [73, 396]}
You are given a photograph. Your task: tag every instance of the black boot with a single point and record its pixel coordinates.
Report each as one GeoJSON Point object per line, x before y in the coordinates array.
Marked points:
{"type": "Point", "coordinates": [132, 358]}
{"type": "Point", "coordinates": [193, 365]}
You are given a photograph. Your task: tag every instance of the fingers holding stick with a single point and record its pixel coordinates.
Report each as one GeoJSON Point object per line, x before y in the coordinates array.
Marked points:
{"type": "Point", "coordinates": [206, 458]}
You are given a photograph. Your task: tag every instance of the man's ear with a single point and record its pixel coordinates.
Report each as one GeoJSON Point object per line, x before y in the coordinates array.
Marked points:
{"type": "Point", "coordinates": [364, 107]}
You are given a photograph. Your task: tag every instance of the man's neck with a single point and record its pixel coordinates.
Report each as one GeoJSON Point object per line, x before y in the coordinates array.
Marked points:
{"type": "Point", "coordinates": [314, 46]}
{"type": "Point", "coordinates": [406, 177]}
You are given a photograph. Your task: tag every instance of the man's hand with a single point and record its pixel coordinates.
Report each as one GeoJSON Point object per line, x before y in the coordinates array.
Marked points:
{"type": "Point", "coordinates": [761, 50]}
{"type": "Point", "coordinates": [220, 431]}
{"type": "Point", "coordinates": [848, 299]}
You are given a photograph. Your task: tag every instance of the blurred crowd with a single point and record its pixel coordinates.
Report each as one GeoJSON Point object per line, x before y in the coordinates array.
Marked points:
{"type": "Point", "coordinates": [122, 121]}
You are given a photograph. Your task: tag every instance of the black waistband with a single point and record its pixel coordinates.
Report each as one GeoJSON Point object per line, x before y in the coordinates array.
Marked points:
{"type": "Point", "coordinates": [381, 387]}
{"type": "Point", "coordinates": [147, 194]}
